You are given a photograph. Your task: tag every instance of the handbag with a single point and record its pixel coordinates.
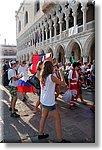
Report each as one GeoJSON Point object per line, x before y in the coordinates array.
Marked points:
{"type": "Point", "coordinates": [34, 81]}
{"type": "Point", "coordinates": [67, 96]}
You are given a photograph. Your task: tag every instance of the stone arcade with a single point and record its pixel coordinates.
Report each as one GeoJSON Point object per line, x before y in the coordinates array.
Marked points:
{"type": "Point", "coordinates": [60, 27]}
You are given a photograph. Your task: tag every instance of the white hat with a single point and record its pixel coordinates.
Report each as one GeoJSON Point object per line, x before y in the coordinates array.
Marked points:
{"type": "Point", "coordinates": [13, 62]}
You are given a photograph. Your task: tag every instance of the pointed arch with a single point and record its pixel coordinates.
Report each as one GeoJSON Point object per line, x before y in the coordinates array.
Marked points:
{"type": "Point", "coordinates": [60, 53]}
{"type": "Point", "coordinates": [71, 43]}
{"type": "Point", "coordinates": [26, 18]}
{"type": "Point", "coordinates": [58, 45]}
{"type": "Point", "coordinates": [88, 43]}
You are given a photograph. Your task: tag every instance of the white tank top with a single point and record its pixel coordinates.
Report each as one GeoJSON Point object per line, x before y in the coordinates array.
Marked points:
{"type": "Point", "coordinates": [47, 96]}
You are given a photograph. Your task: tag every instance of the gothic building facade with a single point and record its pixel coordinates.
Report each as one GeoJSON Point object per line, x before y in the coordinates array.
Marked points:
{"type": "Point", "coordinates": [57, 27]}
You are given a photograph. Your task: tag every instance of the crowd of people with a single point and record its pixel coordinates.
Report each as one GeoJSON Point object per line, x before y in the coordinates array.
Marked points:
{"type": "Point", "coordinates": [53, 77]}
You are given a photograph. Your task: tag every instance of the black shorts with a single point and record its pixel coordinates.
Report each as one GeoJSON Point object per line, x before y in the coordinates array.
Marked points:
{"type": "Point", "coordinates": [50, 108]}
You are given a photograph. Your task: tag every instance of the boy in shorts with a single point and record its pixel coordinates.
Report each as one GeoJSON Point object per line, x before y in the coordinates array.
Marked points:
{"type": "Point", "coordinates": [12, 87]}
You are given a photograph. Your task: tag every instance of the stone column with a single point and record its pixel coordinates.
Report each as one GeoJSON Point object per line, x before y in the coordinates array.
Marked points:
{"type": "Point", "coordinates": [75, 18]}
{"type": "Point", "coordinates": [46, 30]}
{"type": "Point", "coordinates": [60, 15]}
{"type": "Point", "coordinates": [89, 58]}
{"type": "Point", "coordinates": [50, 28]}
{"type": "Point", "coordinates": [33, 40]}
{"type": "Point", "coordinates": [42, 34]}
{"type": "Point", "coordinates": [67, 12]}
{"type": "Point", "coordinates": [85, 58]}
{"type": "Point", "coordinates": [46, 34]}
{"type": "Point", "coordinates": [38, 40]}
{"type": "Point", "coordinates": [60, 22]}
{"type": "Point", "coordinates": [67, 22]}
{"type": "Point", "coordinates": [39, 36]}
{"type": "Point", "coordinates": [55, 22]}
{"type": "Point", "coordinates": [84, 10]}
{"type": "Point", "coordinates": [55, 54]}
{"type": "Point", "coordinates": [67, 54]}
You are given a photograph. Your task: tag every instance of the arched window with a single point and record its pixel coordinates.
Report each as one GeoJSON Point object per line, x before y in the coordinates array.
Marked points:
{"type": "Point", "coordinates": [58, 27]}
{"type": "Point", "coordinates": [48, 32]}
{"type": "Point", "coordinates": [79, 15]}
{"type": "Point", "coordinates": [90, 12]}
{"type": "Point", "coordinates": [37, 6]}
{"type": "Point", "coordinates": [71, 20]}
{"type": "Point", "coordinates": [52, 30]}
{"type": "Point", "coordinates": [19, 26]}
{"type": "Point", "coordinates": [26, 18]}
{"type": "Point", "coordinates": [64, 23]}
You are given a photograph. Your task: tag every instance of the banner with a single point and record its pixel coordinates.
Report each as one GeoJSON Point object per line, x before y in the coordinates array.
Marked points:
{"type": "Point", "coordinates": [25, 87]}
{"type": "Point", "coordinates": [36, 58]}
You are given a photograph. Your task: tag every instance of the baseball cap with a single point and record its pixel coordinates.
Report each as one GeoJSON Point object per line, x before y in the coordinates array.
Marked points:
{"type": "Point", "coordinates": [13, 62]}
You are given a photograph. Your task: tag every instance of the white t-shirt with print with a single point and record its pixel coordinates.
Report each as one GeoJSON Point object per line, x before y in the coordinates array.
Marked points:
{"type": "Point", "coordinates": [47, 96]}
{"type": "Point", "coordinates": [12, 73]}
{"type": "Point", "coordinates": [24, 72]}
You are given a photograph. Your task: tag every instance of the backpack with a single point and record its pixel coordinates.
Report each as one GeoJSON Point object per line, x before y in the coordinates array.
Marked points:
{"type": "Point", "coordinates": [5, 80]}
{"type": "Point", "coordinates": [34, 81]}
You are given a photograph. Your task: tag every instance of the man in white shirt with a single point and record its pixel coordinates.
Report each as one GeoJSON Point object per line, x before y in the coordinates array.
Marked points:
{"type": "Point", "coordinates": [13, 82]}
{"type": "Point", "coordinates": [23, 70]}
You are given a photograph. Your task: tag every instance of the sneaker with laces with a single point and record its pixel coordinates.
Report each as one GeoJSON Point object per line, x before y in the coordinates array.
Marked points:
{"type": "Point", "coordinates": [24, 99]}
{"type": "Point", "coordinates": [43, 136]}
{"type": "Point", "coordinates": [15, 115]}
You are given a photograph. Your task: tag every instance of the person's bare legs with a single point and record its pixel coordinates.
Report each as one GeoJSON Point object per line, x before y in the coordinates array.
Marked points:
{"type": "Point", "coordinates": [81, 98]}
{"type": "Point", "coordinates": [37, 104]}
{"type": "Point", "coordinates": [43, 120]}
{"type": "Point", "coordinates": [24, 96]}
{"type": "Point", "coordinates": [56, 116]}
{"type": "Point", "coordinates": [13, 103]}
{"type": "Point", "coordinates": [57, 90]}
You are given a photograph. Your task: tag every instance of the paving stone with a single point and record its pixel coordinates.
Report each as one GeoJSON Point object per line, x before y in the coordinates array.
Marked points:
{"type": "Point", "coordinates": [78, 125]}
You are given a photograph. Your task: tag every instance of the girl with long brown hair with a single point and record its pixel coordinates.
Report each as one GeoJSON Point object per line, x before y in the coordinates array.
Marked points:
{"type": "Point", "coordinates": [47, 99]}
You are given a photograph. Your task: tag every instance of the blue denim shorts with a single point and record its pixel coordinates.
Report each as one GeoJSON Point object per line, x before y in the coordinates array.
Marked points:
{"type": "Point", "coordinates": [49, 108]}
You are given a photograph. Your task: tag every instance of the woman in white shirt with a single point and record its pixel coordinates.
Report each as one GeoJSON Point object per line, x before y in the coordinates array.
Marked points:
{"type": "Point", "coordinates": [47, 99]}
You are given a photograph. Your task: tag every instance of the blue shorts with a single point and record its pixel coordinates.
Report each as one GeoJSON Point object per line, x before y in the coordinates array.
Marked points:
{"type": "Point", "coordinates": [49, 108]}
